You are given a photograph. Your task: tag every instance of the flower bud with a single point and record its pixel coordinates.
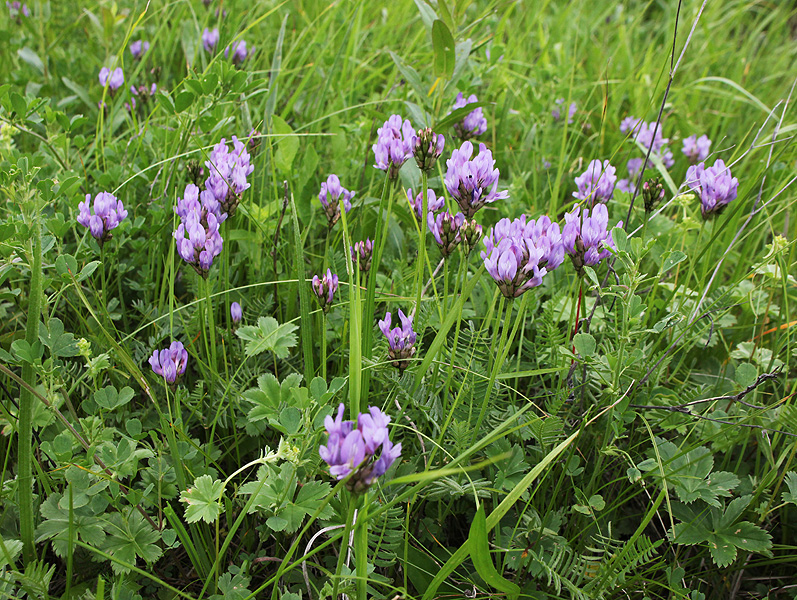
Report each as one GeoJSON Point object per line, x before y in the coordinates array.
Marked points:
{"type": "Point", "coordinates": [427, 148]}
{"type": "Point", "coordinates": [652, 193]}
{"type": "Point", "coordinates": [471, 233]}
{"type": "Point", "coordinates": [361, 254]}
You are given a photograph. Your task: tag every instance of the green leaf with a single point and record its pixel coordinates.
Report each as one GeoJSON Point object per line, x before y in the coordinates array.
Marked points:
{"type": "Point", "coordinates": [409, 74]}
{"type": "Point", "coordinates": [85, 525]}
{"type": "Point", "coordinates": [585, 344]}
{"type": "Point", "coordinates": [673, 258]}
{"type": "Point", "coordinates": [203, 499]}
{"type": "Point", "coordinates": [18, 104]}
{"type": "Point", "coordinates": [268, 334]}
{"type": "Point", "coordinates": [87, 271]}
{"type": "Point", "coordinates": [9, 551]}
{"type": "Point", "coordinates": [129, 538]}
{"type": "Point", "coordinates": [746, 374]}
{"type": "Point", "coordinates": [27, 353]}
{"type": "Point", "coordinates": [183, 100]}
{"type": "Point", "coordinates": [111, 399]}
{"type": "Point", "coordinates": [480, 555]}
{"type": "Point", "coordinates": [166, 102]}
{"type": "Point", "coordinates": [620, 238]}
{"type": "Point", "coordinates": [287, 144]}
{"type": "Point", "coordinates": [791, 482]}
{"type": "Point", "coordinates": [60, 344]}
{"type": "Point", "coordinates": [444, 54]}
{"type": "Point", "coordinates": [291, 419]}
{"type": "Point", "coordinates": [30, 57]}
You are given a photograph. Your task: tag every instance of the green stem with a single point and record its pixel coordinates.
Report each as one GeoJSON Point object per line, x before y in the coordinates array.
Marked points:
{"type": "Point", "coordinates": [361, 550]}
{"type": "Point", "coordinates": [323, 346]}
{"type": "Point", "coordinates": [211, 326]}
{"type": "Point", "coordinates": [422, 241]}
{"type": "Point", "coordinates": [344, 546]}
{"type": "Point", "coordinates": [26, 399]}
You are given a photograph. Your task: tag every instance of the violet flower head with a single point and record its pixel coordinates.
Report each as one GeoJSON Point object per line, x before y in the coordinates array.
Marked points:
{"type": "Point", "coordinates": [433, 203]}
{"type": "Point", "coordinates": [16, 10]}
{"type": "Point", "coordinates": [113, 79]}
{"type": "Point", "coordinates": [324, 289]}
{"type": "Point", "coordinates": [361, 254]}
{"type": "Point", "coordinates": [139, 48]}
{"type": "Point", "coordinates": [239, 52]}
{"type": "Point", "coordinates": [518, 254]}
{"type": "Point", "coordinates": [210, 39]}
{"type": "Point", "coordinates": [236, 313]}
{"type": "Point", "coordinates": [394, 145]}
{"type": "Point", "coordinates": [227, 173]}
{"type": "Point", "coordinates": [596, 184]}
{"type": "Point", "coordinates": [586, 236]}
{"type": "Point", "coordinates": [474, 123]}
{"type": "Point", "coordinates": [349, 447]}
{"type": "Point", "coordinates": [108, 213]}
{"type": "Point", "coordinates": [629, 185]}
{"type": "Point", "coordinates": [556, 113]}
{"type": "Point", "coordinates": [170, 363]}
{"type": "Point", "coordinates": [445, 230]}
{"type": "Point", "coordinates": [696, 149]}
{"type": "Point", "coordinates": [400, 340]}
{"type": "Point", "coordinates": [427, 148]}
{"type": "Point", "coordinates": [472, 183]}
{"type": "Point", "coordinates": [650, 136]}
{"type": "Point", "coordinates": [332, 192]}
{"type": "Point", "coordinates": [716, 186]}
{"type": "Point", "coordinates": [197, 236]}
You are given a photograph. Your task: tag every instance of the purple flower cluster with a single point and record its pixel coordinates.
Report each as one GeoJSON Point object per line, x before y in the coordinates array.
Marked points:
{"type": "Point", "coordinates": [139, 48]}
{"type": "Point", "coordinates": [169, 363]}
{"type": "Point", "coordinates": [239, 52]}
{"type": "Point", "coordinates": [113, 79]}
{"type": "Point", "coordinates": [394, 145]}
{"type": "Point", "coordinates": [518, 254]}
{"type": "Point", "coordinates": [696, 149]}
{"type": "Point", "coordinates": [427, 148]}
{"type": "Point", "coordinates": [445, 229]}
{"type": "Point", "coordinates": [210, 39]}
{"type": "Point", "coordinates": [716, 186]}
{"type": "Point", "coordinates": [143, 93]}
{"type": "Point", "coordinates": [400, 340]}
{"type": "Point", "coordinates": [332, 192]}
{"type": "Point", "coordinates": [324, 289]}
{"type": "Point", "coordinates": [433, 203]}
{"type": "Point", "coordinates": [227, 173]}
{"type": "Point", "coordinates": [200, 221]}
{"type": "Point", "coordinates": [629, 185]}
{"type": "Point", "coordinates": [650, 136]}
{"type": "Point", "coordinates": [108, 213]}
{"type": "Point", "coordinates": [236, 313]}
{"type": "Point", "coordinates": [349, 447]}
{"type": "Point", "coordinates": [586, 236]}
{"type": "Point", "coordinates": [361, 254]}
{"type": "Point", "coordinates": [596, 184]}
{"type": "Point", "coordinates": [472, 183]}
{"type": "Point", "coordinates": [17, 10]}
{"type": "Point", "coordinates": [474, 123]}
{"type": "Point", "coordinates": [556, 113]}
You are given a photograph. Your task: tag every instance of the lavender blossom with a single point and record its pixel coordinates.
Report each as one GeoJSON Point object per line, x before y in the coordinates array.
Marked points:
{"type": "Point", "coordinates": [170, 363]}
{"type": "Point", "coordinates": [472, 183]}
{"type": "Point", "coordinates": [349, 447]}
{"type": "Point", "coordinates": [227, 173]}
{"type": "Point", "coordinates": [586, 236]}
{"type": "Point", "coordinates": [433, 203]}
{"type": "Point", "coordinates": [236, 313]}
{"type": "Point", "coordinates": [330, 196]}
{"type": "Point", "coordinates": [239, 52]}
{"type": "Point", "coordinates": [108, 213]}
{"type": "Point", "coordinates": [427, 148]}
{"type": "Point", "coordinates": [17, 10]}
{"type": "Point", "coordinates": [696, 148]}
{"type": "Point", "coordinates": [143, 93]}
{"type": "Point", "coordinates": [571, 111]}
{"type": "Point", "coordinates": [650, 136]}
{"type": "Point", "coordinates": [400, 340]}
{"type": "Point", "coordinates": [395, 144]}
{"type": "Point", "coordinates": [361, 254]}
{"type": "Point", "coordinates": [596, 184]}
{"type": "Point", "coordinates": [474, 123]}
{"type": "Point", "coordinates": [200, 222]}
{"type": "Point", "coordinates": [139, 48]}
{"type": "Point", "coordinates": [716, 186]}
{"type": "Point", "coordinates": [445, 229]}
{"type": "Point", "coordinates": [210, 38]}
{"type": "Point", "coordinates": [518, 254]}
{"type": "Point", "coordinates": [114, 79]}
{"type": "Point", "coordinates": [324, 289]}
{"type": "Point", "coordinates": [629, 185]}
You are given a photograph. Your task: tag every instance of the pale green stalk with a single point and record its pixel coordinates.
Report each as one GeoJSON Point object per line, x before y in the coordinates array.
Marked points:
{"type": "Point", "coordinates": [361, 549]}
{"type": "Point", "coordinates": [422, 241]}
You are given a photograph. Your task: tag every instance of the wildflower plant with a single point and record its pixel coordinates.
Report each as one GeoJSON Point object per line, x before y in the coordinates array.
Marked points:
{"type": "Point", "coordinates": [472, 182]}
{"type": "Point", "coordinates": [331, 195]}
{"type": "Point", "coordinates": [170, 363]}
{"type": "Point", "coordinates": [715, 185]}
{"type": "Point", "coordinates": [400, 339]}
{"type": "Point", "coordinates": [395, 144]}
{"type": "Point", "coordinates": [474, 124]}
{"type": "Point", "coordinates": [586, 236]}
{"type": "Point", "coordinates": [108, 212]}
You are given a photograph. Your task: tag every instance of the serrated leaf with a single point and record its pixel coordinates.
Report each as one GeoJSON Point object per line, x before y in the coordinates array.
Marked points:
{"type": "Point", "coordinates": [130, 538]}
{"type": "Point", "coordinates": [60, 344]}
{"type": "Point", "coordinates": [791, 482]}
{"type": "Point", "coordinates": [86, 526]}
{"type": "Point", "coordinates": [203, 499]}
{"type": "Point", "coordinates": [9, 551]}
{"type": "Point", "coordinates": [268, 334]}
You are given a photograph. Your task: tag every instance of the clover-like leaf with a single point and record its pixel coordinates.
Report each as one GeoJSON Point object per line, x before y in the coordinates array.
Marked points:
{"type": "Point", "coordinates": [60, 344]}
{"type": "Point", "coordinates": [110, 399]}
{"type": "Point", "coordinates": [203, 499]}
{"type": "Point", "coordinates": [268, 334]}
